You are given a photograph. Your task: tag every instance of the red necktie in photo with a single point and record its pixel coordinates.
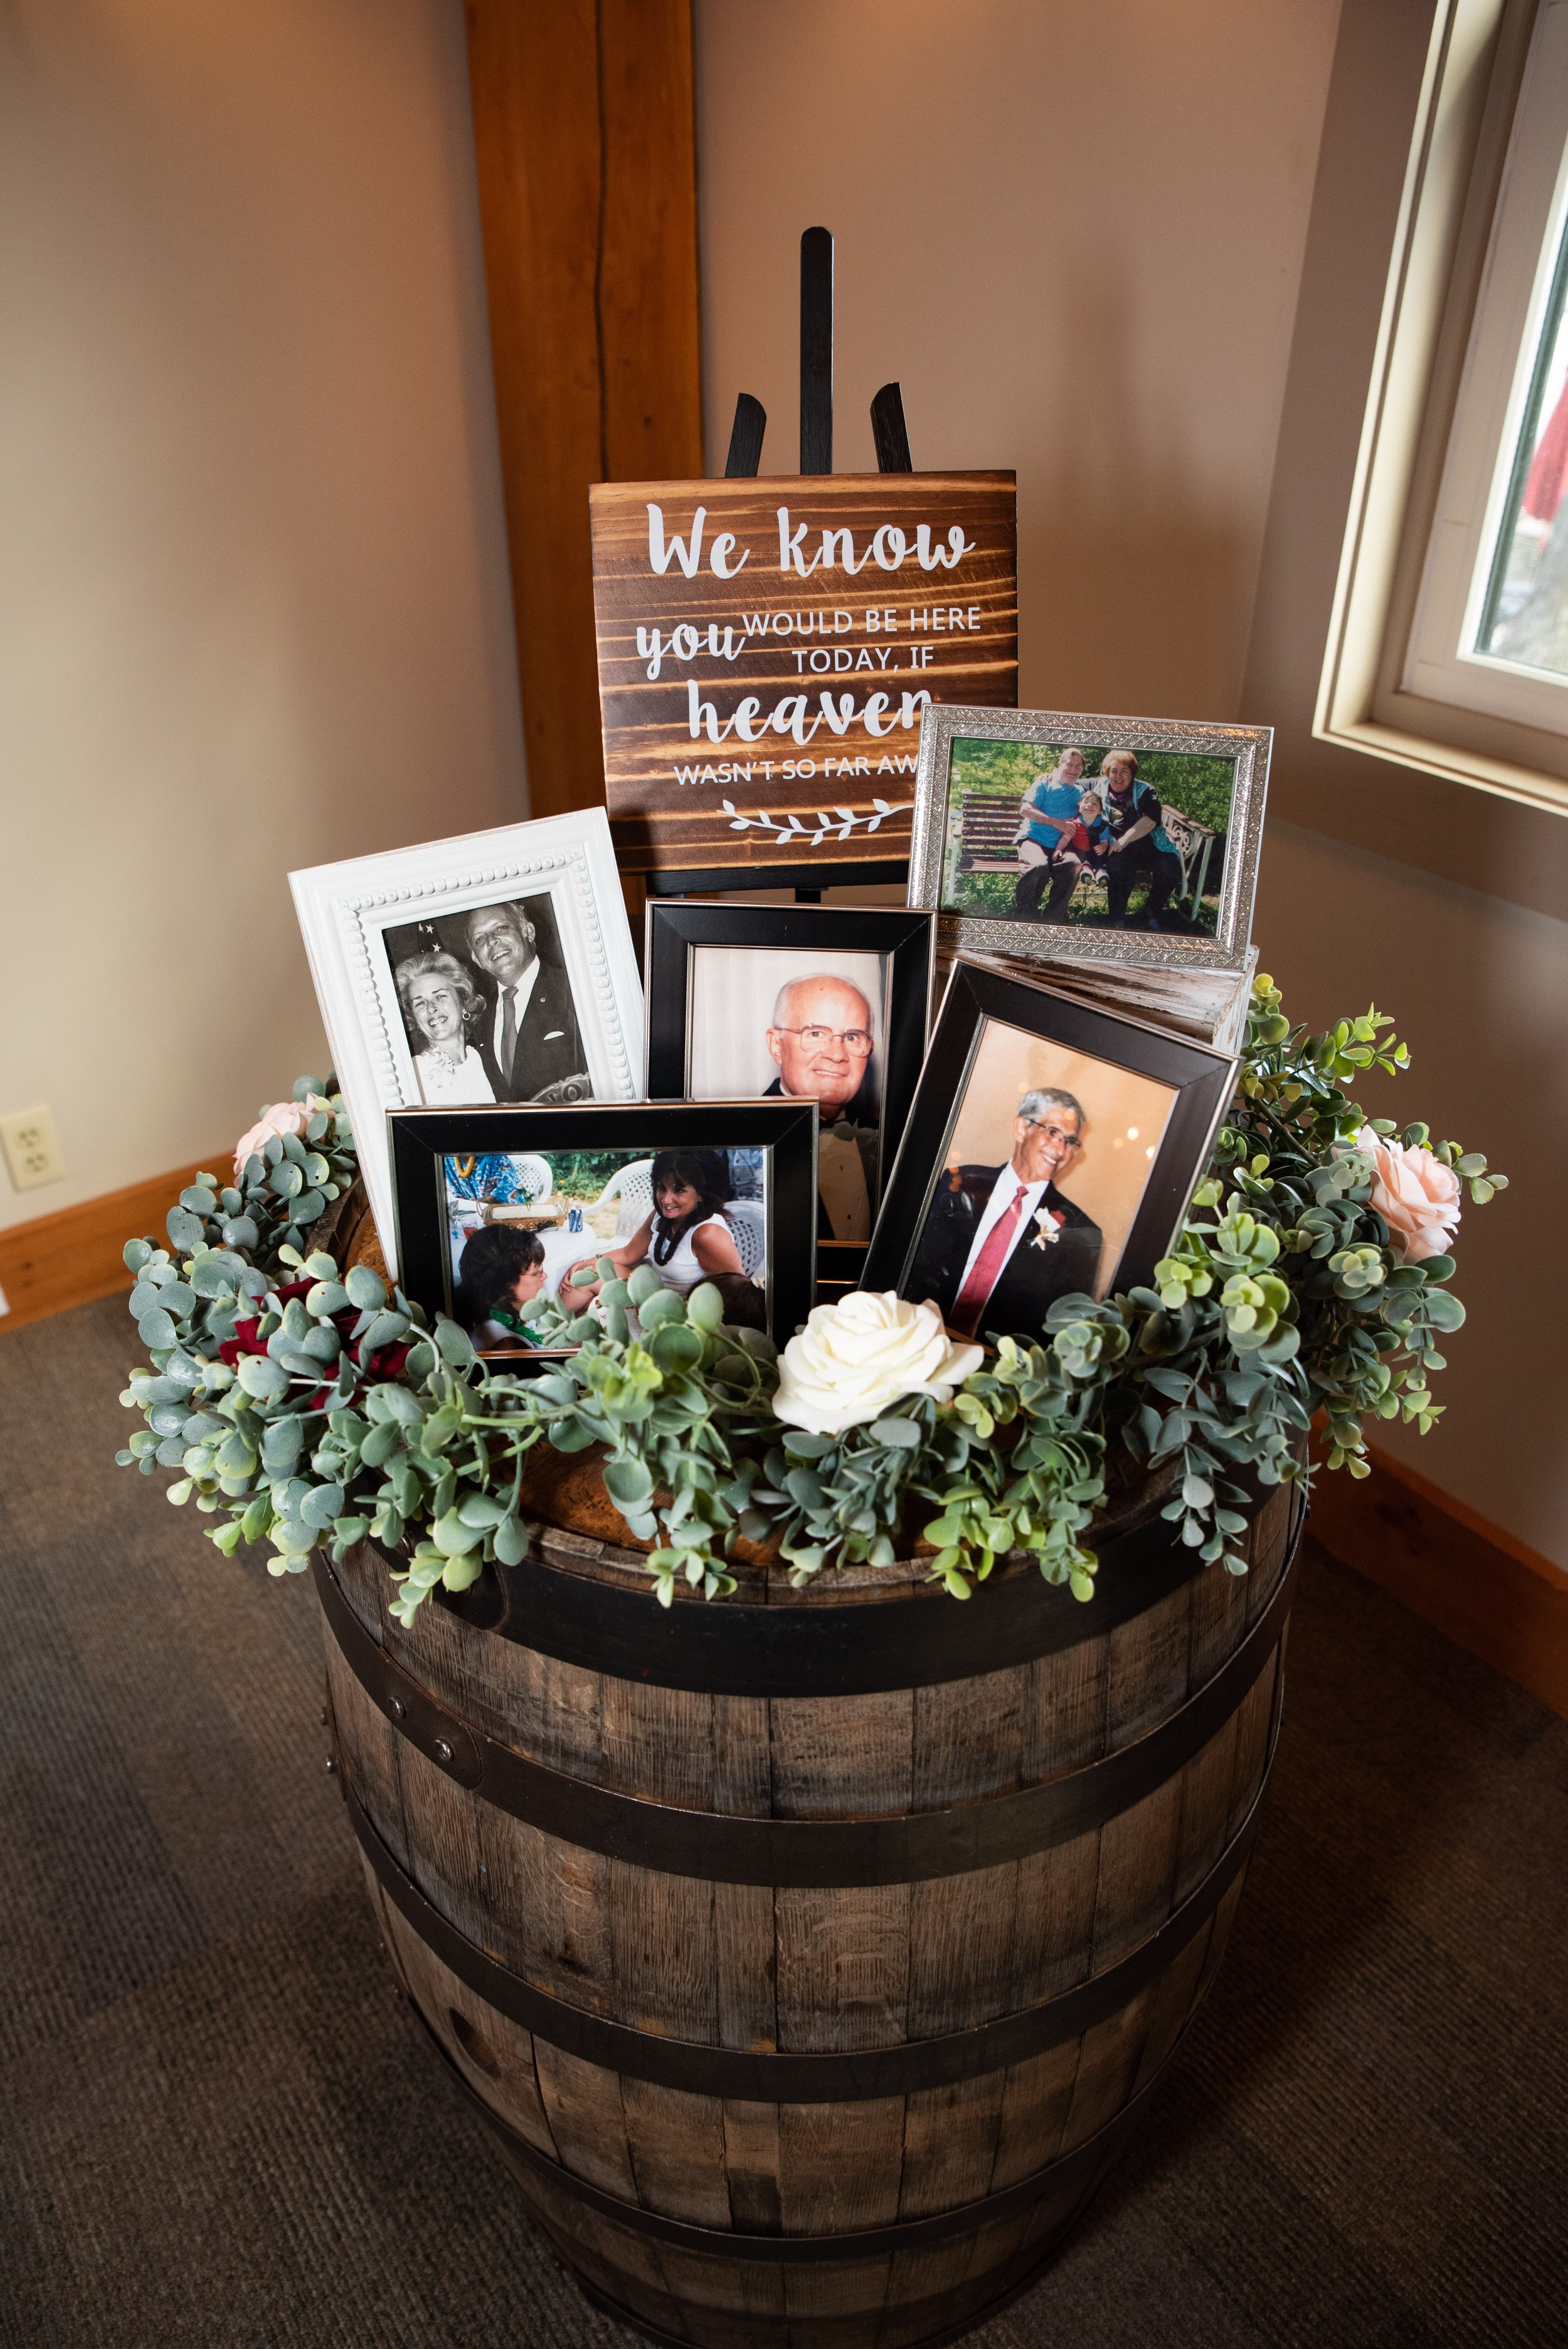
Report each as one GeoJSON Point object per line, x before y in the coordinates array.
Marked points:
{"type": "Point", "coordinates": [986, 1270]}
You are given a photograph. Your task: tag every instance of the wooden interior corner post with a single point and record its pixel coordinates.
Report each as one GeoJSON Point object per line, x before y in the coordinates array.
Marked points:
{"type": "Point", "coordinates": [585, 148]}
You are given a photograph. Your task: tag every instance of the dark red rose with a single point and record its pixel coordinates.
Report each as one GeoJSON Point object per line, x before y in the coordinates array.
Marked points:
{"type": "Point", "coordinates": [243, 1342]}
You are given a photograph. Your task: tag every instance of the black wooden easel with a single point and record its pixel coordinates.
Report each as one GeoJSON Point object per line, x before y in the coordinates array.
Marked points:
{"type": "Point", "coordinates": [808, 881]}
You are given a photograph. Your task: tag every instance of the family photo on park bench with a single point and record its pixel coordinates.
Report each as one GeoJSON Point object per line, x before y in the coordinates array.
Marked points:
{"type": "Point", "coordinates": [1103, 836]}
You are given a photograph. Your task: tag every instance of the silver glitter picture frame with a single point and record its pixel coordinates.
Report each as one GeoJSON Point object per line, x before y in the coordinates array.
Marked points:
{"type": "Point", "coordinates": [935, 836]}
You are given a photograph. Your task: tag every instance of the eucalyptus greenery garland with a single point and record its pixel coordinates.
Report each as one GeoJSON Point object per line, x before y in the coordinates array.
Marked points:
{"type": "Point", "coordinates": [309, 1406]}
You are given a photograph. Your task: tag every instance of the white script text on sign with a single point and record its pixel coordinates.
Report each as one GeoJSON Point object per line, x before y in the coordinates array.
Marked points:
{"type": "Point", "coordinates": [765, 649]}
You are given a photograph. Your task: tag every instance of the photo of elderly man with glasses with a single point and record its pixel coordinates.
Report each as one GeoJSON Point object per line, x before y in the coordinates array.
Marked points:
{"type": "Point", "coordinates": [1001, 1244]}
{"type": "Point", "coordinates": [821, 1038]}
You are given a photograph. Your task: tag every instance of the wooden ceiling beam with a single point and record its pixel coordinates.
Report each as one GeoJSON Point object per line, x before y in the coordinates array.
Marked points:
{"type": "Point", "coordinates": [586, 139]}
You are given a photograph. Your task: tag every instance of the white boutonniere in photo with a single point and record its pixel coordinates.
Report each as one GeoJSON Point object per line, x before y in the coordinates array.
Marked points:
{"type": "Point", "coordinates": [1048, 1225]}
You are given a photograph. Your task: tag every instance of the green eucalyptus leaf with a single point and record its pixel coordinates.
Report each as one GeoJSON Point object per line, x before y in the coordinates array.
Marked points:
{"type": "Point", "coordinates": [281, 1443]}
{"type": "Point", "coordinates": [569, 1436]}
{"type": "Point", "coordinates": [705, 1307]}
{"type": "Point", "coordinates": [454, 1344]}
{"type": "Point", "coordinates": [481, 1509]}
{"type": "Point", "coordinates": [261, 1377]}
{"type": "Point", "coordinates": [675, 1347]}
{"type": "Point", "coordinates": [452, 1537]}
{"type": "Point", "coordinates": [628, 1483]}
{"type": "Point", "coordinates": [510, 1542]}
{"type": "Point", "coordinates": [381, 1442]}
{"type": "Point", "coordinates": [321, 1505]}
{"type": "Point", "coordinates": [384, 1329]}
{"type": "Point", "coordinates": [366, 1293]}
{"type": "Point", "coordinates": [902, 1435]}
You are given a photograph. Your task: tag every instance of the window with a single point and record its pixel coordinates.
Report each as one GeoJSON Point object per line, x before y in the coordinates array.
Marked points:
{"type": "Point", "coordinates": [1492, 623]}
{"type": "Point", "coordinates": [1448, 648]}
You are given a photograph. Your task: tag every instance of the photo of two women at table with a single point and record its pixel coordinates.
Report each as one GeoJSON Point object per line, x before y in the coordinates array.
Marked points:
{"type": "Point", "coordinates": [528, 1230]}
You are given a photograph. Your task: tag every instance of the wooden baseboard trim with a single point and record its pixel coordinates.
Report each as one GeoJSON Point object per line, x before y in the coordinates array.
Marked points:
{"type": "Point", "coordinates": [1470, 1580]}
{"type": "Point", "coordinates": [65, 1259]}
{"type": "Point", "coordinates": [1495, 1536]}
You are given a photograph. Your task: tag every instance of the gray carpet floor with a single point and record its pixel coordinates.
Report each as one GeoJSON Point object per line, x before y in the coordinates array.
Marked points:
{"type": "Point", "coordinates": [219, 2124]}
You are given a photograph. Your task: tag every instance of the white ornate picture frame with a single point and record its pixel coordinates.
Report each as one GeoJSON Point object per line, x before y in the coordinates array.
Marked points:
{"type": "Point", "coordinates": [344, 910]}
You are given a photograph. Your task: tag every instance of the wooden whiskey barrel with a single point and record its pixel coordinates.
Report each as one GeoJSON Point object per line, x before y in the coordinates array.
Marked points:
{"type": "Point", "coordinates": [810, 1953]}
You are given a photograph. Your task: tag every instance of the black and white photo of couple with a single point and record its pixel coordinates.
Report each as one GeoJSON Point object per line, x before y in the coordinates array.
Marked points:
{"type": "Point", "coordinates": [488, 1007]}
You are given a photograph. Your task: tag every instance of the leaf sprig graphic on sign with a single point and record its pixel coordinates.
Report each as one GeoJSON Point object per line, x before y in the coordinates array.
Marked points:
{"type": "Point", "coordinates": [838, 825]}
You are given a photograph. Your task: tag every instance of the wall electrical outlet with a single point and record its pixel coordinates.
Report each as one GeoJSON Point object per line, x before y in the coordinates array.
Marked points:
{"type": "Point", "coordinates": [31, 1148]}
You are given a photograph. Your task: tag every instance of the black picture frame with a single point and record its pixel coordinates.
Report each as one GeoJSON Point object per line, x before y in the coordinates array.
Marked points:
{"type": "Point", "coordinates": [1202, 1078]}
{"type": "Point", "coordinates": [903, 938]}
{"type": "Point", "coordinates": [419, 1140]}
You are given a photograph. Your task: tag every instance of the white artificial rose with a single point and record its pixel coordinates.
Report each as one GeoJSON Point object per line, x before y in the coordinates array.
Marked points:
{"type": "Point", "coordinates": [853, 1361]}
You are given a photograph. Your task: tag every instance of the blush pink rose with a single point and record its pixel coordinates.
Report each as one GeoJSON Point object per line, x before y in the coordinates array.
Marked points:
{"type": "Point", "coordinates": [284, 1117]}
{"type": "Point", "coordinates": [1415, 1194]}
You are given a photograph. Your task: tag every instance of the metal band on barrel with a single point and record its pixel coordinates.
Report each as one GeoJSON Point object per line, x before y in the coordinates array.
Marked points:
{"type": "Point", "coordinates": [904, 1847]}
{"type": "Point", "coordinates": [782, 2076]}
{"type": "Point", "coordinates": [854, 1648]}
{"type": "Point", "coordinates": [1096, 2153]}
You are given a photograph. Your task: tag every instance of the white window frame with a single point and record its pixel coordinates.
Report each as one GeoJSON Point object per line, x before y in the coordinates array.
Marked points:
{"type": "Point", "coordinates": [1462, 143]}
{"type": "Point", "coordinates": [1443, 663]}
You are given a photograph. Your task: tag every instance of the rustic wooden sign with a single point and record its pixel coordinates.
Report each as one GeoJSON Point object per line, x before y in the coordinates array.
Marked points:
{"type": "Point", "coordinates": [765, 649]}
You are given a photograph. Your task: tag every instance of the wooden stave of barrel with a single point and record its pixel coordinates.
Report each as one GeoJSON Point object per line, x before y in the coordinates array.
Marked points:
{"type": "Point", "coordinates": [718, 2217]}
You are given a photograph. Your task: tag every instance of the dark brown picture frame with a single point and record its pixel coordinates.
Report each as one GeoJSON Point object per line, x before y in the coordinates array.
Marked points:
{"type": "Point", "coordinates": [419, 1140]}
{"type": "Point", "coordinates": [1202, 1080]}
{"type": "Point", "coordinates": [903, 937]}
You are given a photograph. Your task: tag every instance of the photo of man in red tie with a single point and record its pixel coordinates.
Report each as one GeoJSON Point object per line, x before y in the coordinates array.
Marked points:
{"type": "Point", "coordinates": [1001, 1244]}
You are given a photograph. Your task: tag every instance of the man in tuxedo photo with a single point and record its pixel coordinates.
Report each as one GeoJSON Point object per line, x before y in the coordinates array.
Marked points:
{"type": "Point", "coordinates": [822, 1039]}
{"type": "Point", "coordinates": [528, 1036]}
{"type": "Point", "coordinates": [1001, 1244]}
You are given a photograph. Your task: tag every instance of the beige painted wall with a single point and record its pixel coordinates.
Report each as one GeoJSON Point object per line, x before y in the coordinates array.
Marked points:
{"type": "Point", "coordinates": [1445, 904]}
{"type": "Point", "coordinates": [253, 597]}
{"type": "Point", "coordinates": [1076, 233]}
{"type": "Point", "coordinates": [1073, 229]}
